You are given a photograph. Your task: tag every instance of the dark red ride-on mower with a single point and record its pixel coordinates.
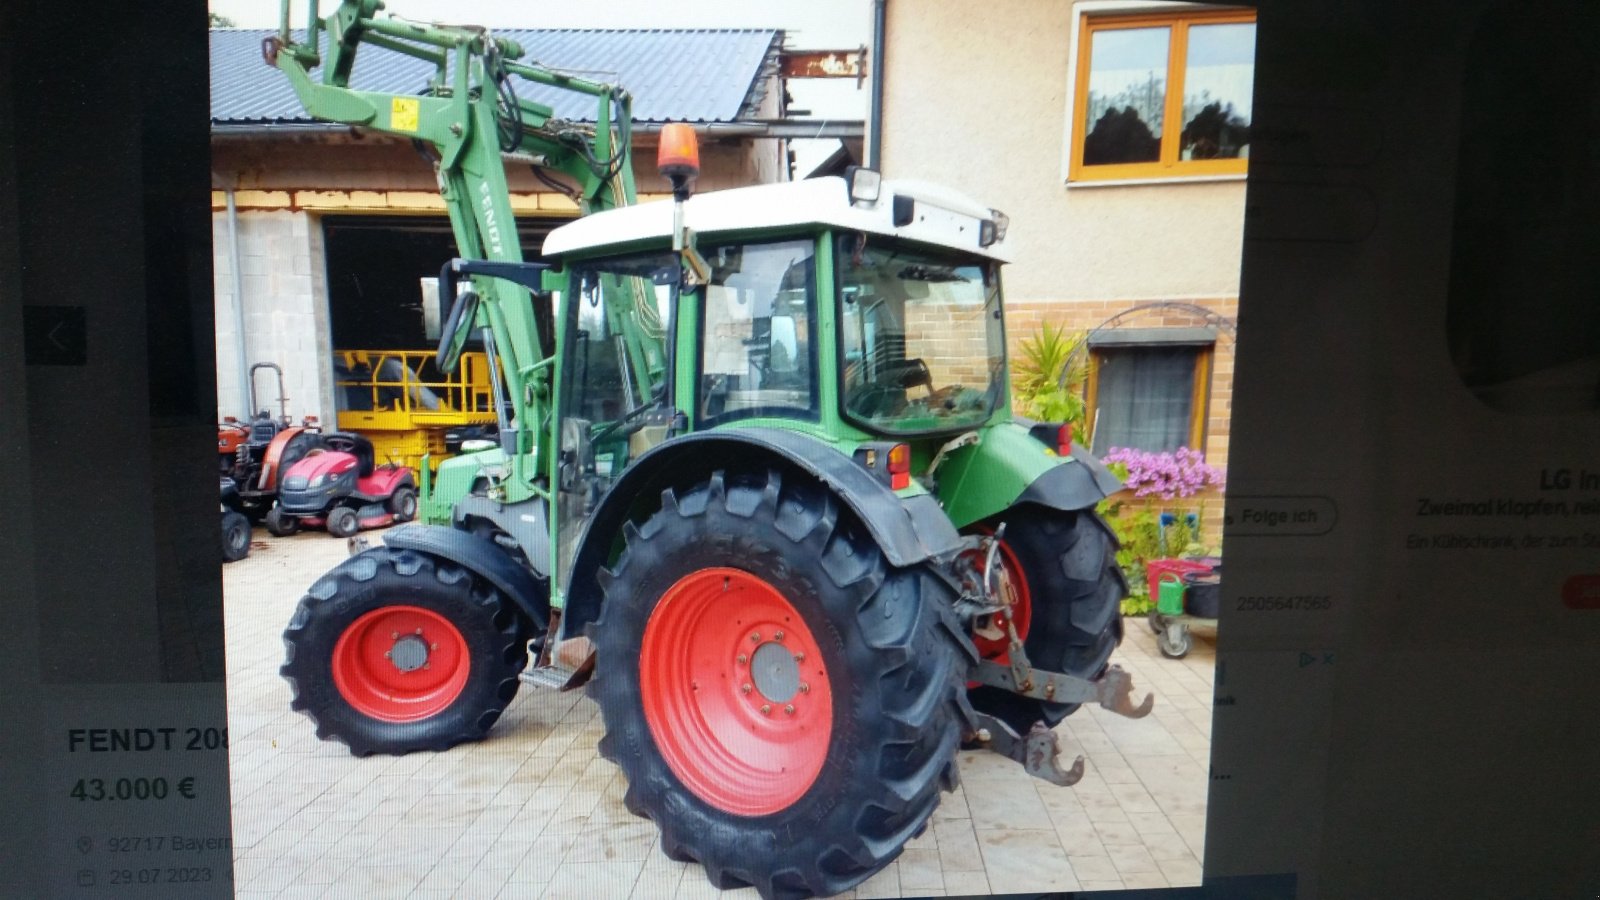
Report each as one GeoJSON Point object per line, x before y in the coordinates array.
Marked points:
{"type": "Point", "coordinates": [337, 486]}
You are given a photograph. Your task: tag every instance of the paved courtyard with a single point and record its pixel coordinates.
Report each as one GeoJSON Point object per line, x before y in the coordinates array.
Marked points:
{"type": "Point", "coordinates": [534, 812]}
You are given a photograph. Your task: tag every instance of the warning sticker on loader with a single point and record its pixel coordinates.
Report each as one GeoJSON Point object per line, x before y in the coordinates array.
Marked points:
{"type": "Point", "coordinates": [403, 113]}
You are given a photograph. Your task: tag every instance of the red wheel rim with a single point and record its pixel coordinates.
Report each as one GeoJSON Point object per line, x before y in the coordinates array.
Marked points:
{"type": "Point", "coordinates": [401, 664]}
{"type": "Point", "coordinates": [1013, 584]}
{"type": "Point", "coordinates": [735, 692]}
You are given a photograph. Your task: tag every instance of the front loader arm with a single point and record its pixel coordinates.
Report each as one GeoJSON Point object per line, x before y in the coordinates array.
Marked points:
{"type": "Point", "coordinates": [471, 122]}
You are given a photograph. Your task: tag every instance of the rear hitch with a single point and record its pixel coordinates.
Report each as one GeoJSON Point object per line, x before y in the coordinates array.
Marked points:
{"type": "Point", "coordinates": [1039, 752]}
{"type": "Point", "coordinates": [1113, 690]}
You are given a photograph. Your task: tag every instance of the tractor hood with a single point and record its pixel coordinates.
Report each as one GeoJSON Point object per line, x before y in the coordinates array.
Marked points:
{"type": "Point", "coordinates": [931, 215]}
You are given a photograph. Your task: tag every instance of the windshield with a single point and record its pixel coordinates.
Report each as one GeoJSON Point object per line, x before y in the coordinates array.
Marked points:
{"type": "Point", "coordinates": [923, 341]}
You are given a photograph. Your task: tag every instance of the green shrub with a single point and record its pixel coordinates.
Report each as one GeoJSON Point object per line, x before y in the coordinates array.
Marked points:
{"type": "Point", "coordinates": [1051, 369]}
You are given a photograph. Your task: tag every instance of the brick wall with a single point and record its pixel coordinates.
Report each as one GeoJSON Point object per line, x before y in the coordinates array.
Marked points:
{"type": "Point", "coordinates": [1026, 317]}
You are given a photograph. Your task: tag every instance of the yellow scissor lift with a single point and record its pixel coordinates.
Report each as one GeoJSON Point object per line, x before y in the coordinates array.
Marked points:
{"type": "Point", "coordinates": [398, 400]}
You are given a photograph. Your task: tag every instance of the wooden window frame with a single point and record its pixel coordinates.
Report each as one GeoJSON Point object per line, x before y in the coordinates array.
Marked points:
{"type": "Point", "coordinates": [1169, 166]}
{"type": "Point", "coordinates": [1200, 391]}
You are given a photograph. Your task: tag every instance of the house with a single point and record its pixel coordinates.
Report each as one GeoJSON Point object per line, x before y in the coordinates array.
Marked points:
{"type": "Point", "coordinates": [1115, 135]}
{"type": "Point", "coordinates": [323, 233]}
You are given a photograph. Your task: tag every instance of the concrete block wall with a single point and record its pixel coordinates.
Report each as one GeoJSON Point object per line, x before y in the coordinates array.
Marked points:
{"type": "Point", "coordinates": [285, 311]}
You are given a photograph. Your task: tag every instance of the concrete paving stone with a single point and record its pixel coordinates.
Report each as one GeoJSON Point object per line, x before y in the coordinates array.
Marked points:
{"type": "Point", "coordinates": [1006, 804]}
{"type": "Point", "coordinates": [1144, 880]}
{"type": "Point", "coordinates": [920, 871]}
{"type": "Point", "coordinates": [1021, 861]}
{"type": "Point", "coordinates": [958, 884]}
{"type": "Point", "coordinates": [609, 880]}
{"type": "Point", "coordinates": [1180, 872]}
{"type": "Point", "coordinates": [304, 891]}
{"type": "Point", "coordinates": [484, 881]}
{"type": "Point", "coordinates": [1131, 858]}
{"type": "Point", "coordinates": [325, 870]}
{"type": "Point", "coordinates": [1079, 837]}
{"type": "Point", "coordinates": [1118, 834]}
{"type": "Point", "coordinates": [1133, 798]}
{"type": "Point", "coordinates": [1093, 868]}
{"type": "Point", "coordinates": [608, 842]}
{"type": "Point", "coordinates": [1192, 828]}
{"type": "Point", "coordinates": [958, 846]}
{"type": "Point", "coordinates": [542, 859]}
{"type": "Point", "coordinates": [1091, 886]}
{"type": "Point", "coordinates": [394, 879]}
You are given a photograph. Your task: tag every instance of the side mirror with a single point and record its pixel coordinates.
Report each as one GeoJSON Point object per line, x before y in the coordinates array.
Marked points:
{"type": "Point", "coordinates": [453, 337]}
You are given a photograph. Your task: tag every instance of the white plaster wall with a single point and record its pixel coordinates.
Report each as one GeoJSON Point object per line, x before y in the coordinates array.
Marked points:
{"type": "Point", "coordinates": [979, 101]}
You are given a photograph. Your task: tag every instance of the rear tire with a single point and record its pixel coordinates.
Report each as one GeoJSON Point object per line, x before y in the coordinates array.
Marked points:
{"type": "Point", "coordinates": [403, 504]}
{"type": "Point", "coordinates": [235, 536]}
{"type": "Point", "coordinates": [358, 667]}
{"type": "Point", "coordinates": [1068, 561]}
{"type": "Point", "coordinates": [280, 525]}
{"type": "Point", "coordinates": [796, 803]}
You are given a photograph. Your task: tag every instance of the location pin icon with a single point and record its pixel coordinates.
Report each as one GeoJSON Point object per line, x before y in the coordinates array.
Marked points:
{"type": "Point", "coordinates": [85, 845]}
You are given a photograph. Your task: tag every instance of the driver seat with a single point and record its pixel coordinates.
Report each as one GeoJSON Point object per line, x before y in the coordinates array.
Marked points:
{"type": "Point", "coordinates": [361, 449]}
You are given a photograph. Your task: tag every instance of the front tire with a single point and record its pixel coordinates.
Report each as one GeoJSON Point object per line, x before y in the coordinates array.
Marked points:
{"type": "Point", "coordinates": [1064, 567]}
{"type": "Point", "coordinates": [394, 651]}
{"type": "Point", "coordinates": [280, 525]}
{"type": "Point", "coordinates": [342, 522]}
{"type": "Point", "coordinates": [785, 705]}
{"type": "Point", "coordinates": [235, 536]}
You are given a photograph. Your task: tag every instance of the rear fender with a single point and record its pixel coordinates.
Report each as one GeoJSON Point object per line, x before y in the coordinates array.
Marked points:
{"type": "Point", "coordinates": [385, 480]}
{"type": "Point", "coordinates": [484, 558]}
{"type": "Point", "coordinates": [908, 530]}
{"type": "Point", "coordinates": [1009, 466]}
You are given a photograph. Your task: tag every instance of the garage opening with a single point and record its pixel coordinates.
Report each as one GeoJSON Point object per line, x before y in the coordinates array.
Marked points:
{"type": "Point", "coordinates": [385, 316]}
{"type": "Point", "coordinates": [375, 269]}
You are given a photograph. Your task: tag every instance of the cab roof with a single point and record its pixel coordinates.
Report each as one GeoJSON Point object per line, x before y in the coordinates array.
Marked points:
{"type": "Point", "coordinates": [940, 216]}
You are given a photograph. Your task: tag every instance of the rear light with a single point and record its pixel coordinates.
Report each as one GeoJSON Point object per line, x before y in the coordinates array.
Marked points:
{"type": "Point", "coordinates": [1055, 435]}
{"type": "Point", "coordinates": [899, 467]}
{"type": "Point", "coordinates": [889, 463]}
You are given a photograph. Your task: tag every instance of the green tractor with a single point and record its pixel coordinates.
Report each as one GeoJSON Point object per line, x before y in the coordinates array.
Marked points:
{"type": "Point", "coordinates": [757, 485]}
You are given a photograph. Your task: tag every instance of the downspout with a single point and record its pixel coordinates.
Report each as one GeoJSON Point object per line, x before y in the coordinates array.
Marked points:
{"type": "Point", "coordinates": [238, 308]}
{"type": "Point", "coordinates": [875, 117]}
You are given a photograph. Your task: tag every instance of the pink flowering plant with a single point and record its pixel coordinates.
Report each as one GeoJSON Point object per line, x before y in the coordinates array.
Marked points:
{"type": "Point", "coordinates": [1181, 473]}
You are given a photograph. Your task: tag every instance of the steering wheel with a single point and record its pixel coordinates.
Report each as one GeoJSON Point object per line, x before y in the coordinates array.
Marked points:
{"type": "Point", "coordinates": [339, 442]}
{"type": "Point", "coordinates": [878, 400]}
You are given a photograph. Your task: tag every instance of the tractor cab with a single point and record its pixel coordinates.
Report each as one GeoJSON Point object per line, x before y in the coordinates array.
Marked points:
{"type": "Point", "coordinates": [847, 309]}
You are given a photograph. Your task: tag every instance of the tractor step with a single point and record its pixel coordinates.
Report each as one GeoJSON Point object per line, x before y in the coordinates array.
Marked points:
{"type": "Point", "coordinates": [552, 678]}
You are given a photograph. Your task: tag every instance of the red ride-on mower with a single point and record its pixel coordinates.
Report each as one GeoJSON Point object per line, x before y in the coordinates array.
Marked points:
{"type": "Point", "coordinates": [337, 486]}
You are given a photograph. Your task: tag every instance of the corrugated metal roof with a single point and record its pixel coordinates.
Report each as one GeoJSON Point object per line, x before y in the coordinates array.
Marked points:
{"type": "Point", "coordinates": [710, 75]}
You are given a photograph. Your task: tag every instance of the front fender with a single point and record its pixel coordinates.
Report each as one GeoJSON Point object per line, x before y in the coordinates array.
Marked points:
{"type": "Point", "coordinates": [1009, 466]}
{"type": "Point", "coordinates": [483, 557]}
